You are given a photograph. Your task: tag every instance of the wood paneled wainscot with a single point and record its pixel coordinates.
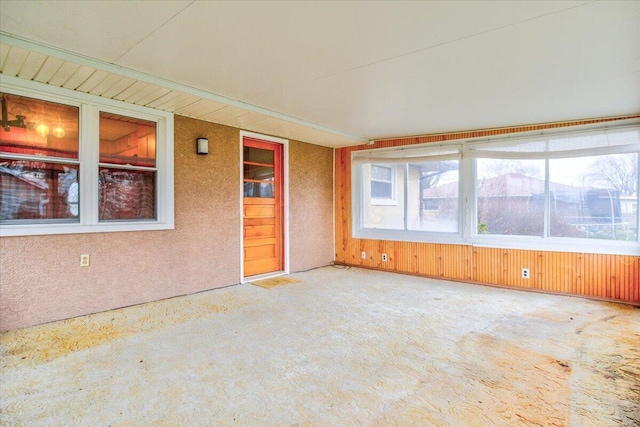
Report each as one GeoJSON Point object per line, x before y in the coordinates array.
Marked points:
{"type": "Point", "coordinates": [613, 277]}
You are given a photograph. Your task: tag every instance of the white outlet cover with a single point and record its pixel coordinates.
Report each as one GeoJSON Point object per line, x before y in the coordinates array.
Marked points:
{"type": "Point", "coordinates": [84, 260]}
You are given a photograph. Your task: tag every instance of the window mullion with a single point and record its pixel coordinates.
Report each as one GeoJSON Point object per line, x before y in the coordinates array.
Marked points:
{"type": "Point", "coordinates": [406, 195]}
{"type": "Point", "coordinates": [358, 196]}
{"type": "Point", "coordinates": [468, 196]}
{"type": "Point", "coordinates": [547, 202]}
{"type": "Point", "coordinates": [89, 155]}
{"type": "Point", "coordinates": [638, 198]}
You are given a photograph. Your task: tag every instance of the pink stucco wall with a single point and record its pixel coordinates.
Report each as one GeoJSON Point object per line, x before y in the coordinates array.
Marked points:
{"type": "Point", "coordinates": [40, 276]}
{"type": "Point", "coordinates": [310, 205]}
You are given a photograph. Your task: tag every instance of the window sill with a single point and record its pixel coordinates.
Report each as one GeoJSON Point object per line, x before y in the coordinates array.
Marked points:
{"type": "Point", "coordinates": [410, 236]}
{"type": "Point", "coordinates": [51, 229]}
{"type": "Point", "coordinates": [589, 246]}
{"type": "Point", "coordinates": [384, 202]}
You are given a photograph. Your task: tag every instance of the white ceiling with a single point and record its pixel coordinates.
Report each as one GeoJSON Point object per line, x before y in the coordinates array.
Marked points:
{"type": "Point", "coordinates": [338, 73]}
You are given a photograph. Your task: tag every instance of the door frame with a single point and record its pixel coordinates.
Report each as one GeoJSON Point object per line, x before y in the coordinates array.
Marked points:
{"type": "Point", "coordinates": [285, 201]}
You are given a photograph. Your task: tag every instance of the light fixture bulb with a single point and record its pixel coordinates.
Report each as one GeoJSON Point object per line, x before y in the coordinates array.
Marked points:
{"type": "Point", "coordinates": [42, 129]}
{"type": "Point", "coordinates": [58, 132]}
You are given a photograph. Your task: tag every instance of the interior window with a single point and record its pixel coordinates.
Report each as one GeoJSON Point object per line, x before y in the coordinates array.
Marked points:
{"type": "Point", "coordinates": [127, 171]}
{"type": "Point", "coordinates": [38, 160]}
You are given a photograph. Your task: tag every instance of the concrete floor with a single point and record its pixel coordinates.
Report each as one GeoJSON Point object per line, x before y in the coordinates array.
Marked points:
{"type": "Point", "coordinates": [344, 347]}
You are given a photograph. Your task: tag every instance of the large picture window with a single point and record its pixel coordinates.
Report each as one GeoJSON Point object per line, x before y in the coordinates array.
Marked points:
{"type": "Point", "coordinates": [75, 163]}
{"type": "Point", "coordinates": [568, 191]}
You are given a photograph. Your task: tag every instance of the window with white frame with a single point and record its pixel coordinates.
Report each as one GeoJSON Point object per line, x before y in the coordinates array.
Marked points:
{"type": "Point", "coordinates": [383, 179]}
{"type": "Point", "coordinates": [127, 168]}
{"type": "Point", "coordinates": [571, 190]}
{"type": "Point", "coordinates": [384, 196]}
{"type": "Point", "coordinates": [415, 174]}
{"type": "Point", "coordinates": [75, 163]}
{"type": "Point", "coordinates": [510, 196]}
{"type": "Point", "coordinates": [39, 161]}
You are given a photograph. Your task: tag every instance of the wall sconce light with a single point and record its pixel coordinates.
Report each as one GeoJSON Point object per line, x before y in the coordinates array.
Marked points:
{"type": "Point", "coordinates": [202, 145]}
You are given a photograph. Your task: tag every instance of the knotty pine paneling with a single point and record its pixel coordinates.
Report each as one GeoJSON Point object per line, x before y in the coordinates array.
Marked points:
{"type": "Point", "coordinates": [593, 275]}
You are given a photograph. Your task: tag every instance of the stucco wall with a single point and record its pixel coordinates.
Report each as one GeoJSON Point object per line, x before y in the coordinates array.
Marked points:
{"type": "Point", "coordinates": [310, 205]}
{"type": "Point", "coordinates": [40, 276]}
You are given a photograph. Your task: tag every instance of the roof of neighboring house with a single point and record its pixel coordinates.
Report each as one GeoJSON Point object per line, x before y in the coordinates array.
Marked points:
{"type": "Point", "coordinates": [509, 185]}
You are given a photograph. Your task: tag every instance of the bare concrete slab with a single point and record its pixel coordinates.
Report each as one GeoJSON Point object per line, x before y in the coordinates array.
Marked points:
{"type": "Point", "coordinates": [343, 347]}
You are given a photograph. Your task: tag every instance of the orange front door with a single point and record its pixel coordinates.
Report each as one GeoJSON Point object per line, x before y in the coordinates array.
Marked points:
{"type": "Point", "coordinates": [262, 207]}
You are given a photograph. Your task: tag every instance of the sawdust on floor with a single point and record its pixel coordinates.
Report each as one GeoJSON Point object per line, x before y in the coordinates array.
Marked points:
{"type": "Point", "coordinates": [275, 281]}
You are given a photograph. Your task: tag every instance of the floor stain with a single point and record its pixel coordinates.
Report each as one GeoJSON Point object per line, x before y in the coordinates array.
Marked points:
{"type": "Point", "coordinates": [586, 325]}
{"type": "Point", "coordinates": [509, 377]}
{"type": "Point", "coordinates": [44, 343]}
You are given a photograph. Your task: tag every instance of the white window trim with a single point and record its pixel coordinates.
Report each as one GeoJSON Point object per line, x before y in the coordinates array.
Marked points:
{"type": "Point", "coordinates": [90, 106]}
{"type": "Point", "coordinates": [468, 230]}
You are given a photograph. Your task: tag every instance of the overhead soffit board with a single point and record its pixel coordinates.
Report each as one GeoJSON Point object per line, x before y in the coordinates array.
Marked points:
{"type": "Point", "coordinates": [30, 61]}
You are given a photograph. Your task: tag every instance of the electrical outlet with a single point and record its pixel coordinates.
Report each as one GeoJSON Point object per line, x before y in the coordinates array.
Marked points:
{"type": "Point", "coordinates": [363, 255]}
{"type": "Point", "coordinates": [384, 257]}
{"type": "Point", "coordinates": [525, 273]}
{"type": "Point", "coordinates": [84, 260]}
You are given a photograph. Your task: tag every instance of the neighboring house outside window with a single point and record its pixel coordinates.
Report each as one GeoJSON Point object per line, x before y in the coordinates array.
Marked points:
{"type": "Point", "coordinates": [382, 184]}
{"type": "Point", "coordinates": [383, 196]}
{"type": "Point", "coordinates": [75, 163]}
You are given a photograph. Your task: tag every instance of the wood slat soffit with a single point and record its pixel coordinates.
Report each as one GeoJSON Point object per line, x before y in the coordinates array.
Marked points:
{"type": "Point", "coordinates": [41, 67]}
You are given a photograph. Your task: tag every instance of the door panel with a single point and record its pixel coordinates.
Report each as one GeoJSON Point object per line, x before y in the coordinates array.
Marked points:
{"type": "Point", "coordinates": [262, 207]}
{"type": "Point", "coordinates": [253, 231]}
{"type": "Point", "coordinates": [259, 211]}
{"type": "Point", "coordinates": [257, 252]}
